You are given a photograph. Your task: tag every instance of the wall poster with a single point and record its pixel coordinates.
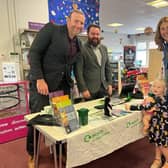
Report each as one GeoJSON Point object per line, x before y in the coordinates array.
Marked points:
{"type": "Point", "coordinates": [129, 56]}
{"type": "Point", "coordinates": [60, 9]}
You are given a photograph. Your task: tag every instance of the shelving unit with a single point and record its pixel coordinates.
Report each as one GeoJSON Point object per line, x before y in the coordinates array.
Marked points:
{"type": "Point", "coordinates": [24, 40]}
{"type": "Point", "coordinates": [114, 66]}
{"type": "Point", "coordinates": [117, 75]}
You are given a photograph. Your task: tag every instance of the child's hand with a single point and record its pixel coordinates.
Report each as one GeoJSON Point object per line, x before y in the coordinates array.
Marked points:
{"type": "Point", "coordinates": [127, 106]}
{"type": "Point", "coordinates": [148, 100]}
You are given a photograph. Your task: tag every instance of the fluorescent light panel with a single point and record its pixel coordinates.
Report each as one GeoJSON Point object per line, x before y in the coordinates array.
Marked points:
{"type": "Point", "coordinates": [115, 25]}
{"type": "Point", "coordinates": [158, 3]}
{"type": "Point", "coordinates": [140, 28]}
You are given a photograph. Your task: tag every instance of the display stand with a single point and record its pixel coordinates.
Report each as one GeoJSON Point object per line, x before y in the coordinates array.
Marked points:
{"type": "Point", "coordinates": [63, 111]}
{"type": "Point", "coordinates": [155, 67]}
{"type": "Point", "coordinates": [13, 107]}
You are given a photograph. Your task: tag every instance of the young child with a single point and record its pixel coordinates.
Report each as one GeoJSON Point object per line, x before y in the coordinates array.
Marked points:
{"type": "Point", "coordinates": [151, 103]}
{"type": "Point", "coordinates": [158, 124]}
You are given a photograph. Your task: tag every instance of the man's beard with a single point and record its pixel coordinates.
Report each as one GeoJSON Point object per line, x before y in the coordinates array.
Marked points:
{"type": "Point", "coordinates": [93, 42]}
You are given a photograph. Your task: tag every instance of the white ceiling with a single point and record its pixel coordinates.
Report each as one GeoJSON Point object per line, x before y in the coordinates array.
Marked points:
{"type": "Point", "coordinates": [131, 13]}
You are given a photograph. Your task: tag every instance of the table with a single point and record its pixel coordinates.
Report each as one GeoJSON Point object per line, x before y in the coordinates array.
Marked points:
{"type": "Point", "coordinates": [100, 137]}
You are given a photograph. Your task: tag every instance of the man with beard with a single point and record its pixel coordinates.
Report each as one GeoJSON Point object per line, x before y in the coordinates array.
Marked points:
{"type": "Point", "coordinates": [93, 70]}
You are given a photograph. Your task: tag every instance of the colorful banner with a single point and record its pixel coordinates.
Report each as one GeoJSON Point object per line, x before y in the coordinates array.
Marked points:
{"type": "Point", "coordinates": [60, 9]}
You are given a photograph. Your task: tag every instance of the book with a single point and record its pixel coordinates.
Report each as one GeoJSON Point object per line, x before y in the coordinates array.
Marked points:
{"type": "Point", "coordinates": [64, 111]}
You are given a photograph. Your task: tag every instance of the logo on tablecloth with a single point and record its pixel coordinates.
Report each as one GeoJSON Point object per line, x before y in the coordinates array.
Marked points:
{"type": "Point", "coordinates": [96, 135]}
{"type": "Point", "coordinates": [131, 124]}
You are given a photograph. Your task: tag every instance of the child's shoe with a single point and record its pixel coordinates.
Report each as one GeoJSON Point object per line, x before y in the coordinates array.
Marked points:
{"type": "Point", "coordinates": [157, 163]}
{"type": "Point", "coordinates": [31, 163]}
{"type": "Point", "coordinates": [165, 165]}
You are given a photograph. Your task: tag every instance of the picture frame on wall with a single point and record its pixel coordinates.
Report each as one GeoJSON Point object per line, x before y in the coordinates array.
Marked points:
{"type": "Point", "coordinates": [129, 55]}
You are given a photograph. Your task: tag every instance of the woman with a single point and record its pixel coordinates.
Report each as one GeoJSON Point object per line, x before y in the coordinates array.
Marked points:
{"type": "Point", "coordinates": [161, 39]}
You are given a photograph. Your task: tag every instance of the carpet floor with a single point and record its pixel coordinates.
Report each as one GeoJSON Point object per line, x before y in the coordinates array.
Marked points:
{"type": "Point", "coordinates": [139, 154]}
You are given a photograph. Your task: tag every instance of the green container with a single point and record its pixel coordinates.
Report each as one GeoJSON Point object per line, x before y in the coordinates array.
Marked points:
{"type": "Point", "coordinates": [83, 116]}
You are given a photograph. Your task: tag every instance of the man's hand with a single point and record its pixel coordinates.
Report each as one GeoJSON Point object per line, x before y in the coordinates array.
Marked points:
{"type": "Point", "coordinates": [86, 94]}
{"type": "Point", "coordinates": [42, 87]}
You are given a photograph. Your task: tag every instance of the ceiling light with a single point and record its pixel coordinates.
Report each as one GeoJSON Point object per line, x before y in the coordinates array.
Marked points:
{"type": "Point", "coordinates": [158, 3]}
{"type": "Point", "coordinates": [140, 28]}
{"type": "Point", "coordinates": [115, 24]}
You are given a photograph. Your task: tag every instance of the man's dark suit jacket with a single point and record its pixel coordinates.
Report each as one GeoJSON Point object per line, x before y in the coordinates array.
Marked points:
{"type": "Point", "coordinates": [49, 57]}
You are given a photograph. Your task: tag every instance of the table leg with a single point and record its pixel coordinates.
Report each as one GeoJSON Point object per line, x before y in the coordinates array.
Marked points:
{"type": "Point", "coordinates": [60, 154]}
{"type": "Point", "coordinates": [38, 150]}
{"type": "Point", "coordinates": [35, 146]}
{"type": "Point", "coordinates": [55, 156]}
